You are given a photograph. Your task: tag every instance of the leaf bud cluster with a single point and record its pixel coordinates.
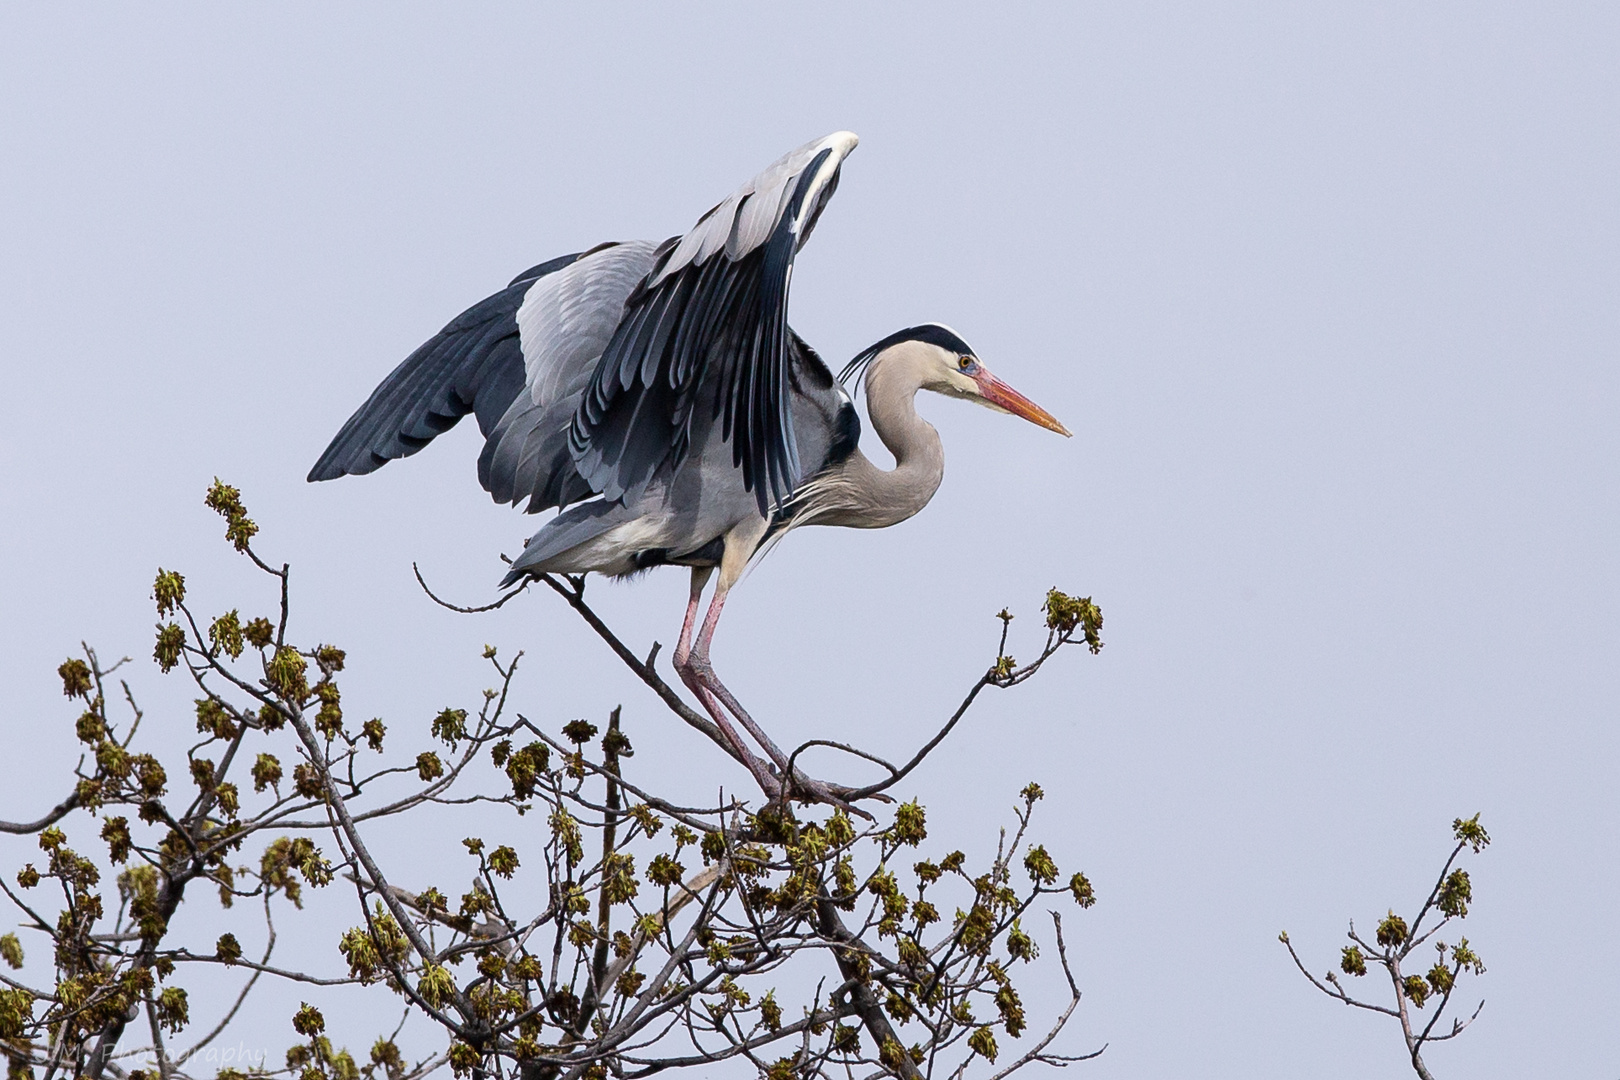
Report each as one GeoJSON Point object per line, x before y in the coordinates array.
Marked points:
{"type": "Point", "coordinates": [75, 678]}
{"type": "Point", "coordinates": [1081, 889]}
{"type": "Point", "coordinates": [1392, 932]}
{"type": "Point", "coordinates": [1469, 831]}
{"type": "Point", "coordinates": [1065, 614]}
{"type": "Point", "coordinates": [170, 643]}
{"type": "Point", "coordinates": [225, 634]}
{"type": "Point", "coordinates": [450, 726]}
{"type": "Point", "coordinates": [169, 591]}
{"type": "Point", "coordinates": [1455, 894]}
{"type": "Point", "coordinates": [285, 672]}
{"type": "Point", "coordinates": [525, 767]}
{"type": "Point", "coordinates": [226, 501]}
{"type": "Point", "coordinates": [308, 1020]}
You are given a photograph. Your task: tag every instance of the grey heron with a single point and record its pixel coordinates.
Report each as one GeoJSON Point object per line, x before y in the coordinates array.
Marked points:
{"type": "Point", "coordinates": [654, 393]}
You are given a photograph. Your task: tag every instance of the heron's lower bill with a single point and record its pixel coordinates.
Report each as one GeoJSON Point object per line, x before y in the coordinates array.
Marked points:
{"type": "Point", "coordinates": [1002, 396]}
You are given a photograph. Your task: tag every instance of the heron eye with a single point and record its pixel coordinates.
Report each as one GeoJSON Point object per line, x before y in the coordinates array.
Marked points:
{"type": "Point", "coordinates": [966, 363]}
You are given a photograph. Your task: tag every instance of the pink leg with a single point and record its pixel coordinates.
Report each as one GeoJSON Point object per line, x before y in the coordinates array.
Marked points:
{"type": "Point", "coordinates": [703, 679]}
{"type": "Point", "coordinates": [683, 647]}
{"type": "Point", "coordinates": [689, 676]}
{"type": "Point", "coordinates": [706, 673]}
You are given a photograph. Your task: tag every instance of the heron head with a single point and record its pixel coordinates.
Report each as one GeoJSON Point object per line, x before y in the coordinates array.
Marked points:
{"type": "Point", "coordinates": [946, 364]}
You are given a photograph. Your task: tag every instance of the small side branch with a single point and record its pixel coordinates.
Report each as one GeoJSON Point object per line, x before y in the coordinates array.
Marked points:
{"type": "Point", "coordinates": [57, 813]}
{"type": "Point", "coordinates": [1335, 990]}
{"type": "Point", "coordinates": [457, 607]}
{"type": "Point", "coordinates": [1037, 1053]}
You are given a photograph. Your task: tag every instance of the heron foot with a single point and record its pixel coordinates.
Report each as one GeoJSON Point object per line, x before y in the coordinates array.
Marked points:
{"type": "Point", "coordinates": [810, 790]}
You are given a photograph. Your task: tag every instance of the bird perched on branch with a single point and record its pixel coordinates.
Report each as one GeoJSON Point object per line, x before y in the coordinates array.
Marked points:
{"type": "Point", "coordinates": [656, 393]}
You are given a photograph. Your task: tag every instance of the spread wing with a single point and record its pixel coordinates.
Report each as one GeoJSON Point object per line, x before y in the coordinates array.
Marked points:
{"type": "Point", "coordinates": [473, 365]}
{"type": "Point", "coordinates": [521, 360]}
{"type": "Point", "coordinates": [707, 328]}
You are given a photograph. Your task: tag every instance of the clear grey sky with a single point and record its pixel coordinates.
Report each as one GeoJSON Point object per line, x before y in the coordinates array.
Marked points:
{"type": "Point", "coordinates": [1328, 294]}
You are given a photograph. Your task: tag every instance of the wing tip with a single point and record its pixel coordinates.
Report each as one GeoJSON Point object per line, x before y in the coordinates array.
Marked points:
{"type": "Point", "coordinates": [844, 141]}
{"type": "Point", "coordinates": [324, 469]}
{"type": "Point", "coordinates": [333, 465]}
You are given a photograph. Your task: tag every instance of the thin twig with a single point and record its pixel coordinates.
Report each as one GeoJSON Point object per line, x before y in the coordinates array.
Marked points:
{"type": "Point", "coordinates": [457, 607]}
{"type": "Point", "coordinates": [55, 814]}
{"type": "Point", "coordinates": [270, 947]}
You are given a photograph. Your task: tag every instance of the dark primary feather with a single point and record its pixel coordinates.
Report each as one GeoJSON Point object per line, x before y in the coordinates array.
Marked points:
{"type": "Point", "coordinates": [711, 334]}
{"type": "Point", "coordinates": [475, 364]}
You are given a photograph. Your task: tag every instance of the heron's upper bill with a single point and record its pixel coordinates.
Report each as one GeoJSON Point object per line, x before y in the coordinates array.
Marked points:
{"type": "Point", "coordinates": [1001, 396]}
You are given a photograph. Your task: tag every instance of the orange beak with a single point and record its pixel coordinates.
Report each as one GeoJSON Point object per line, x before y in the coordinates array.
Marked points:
{"type": "Point", "coordinates": [997, 393]}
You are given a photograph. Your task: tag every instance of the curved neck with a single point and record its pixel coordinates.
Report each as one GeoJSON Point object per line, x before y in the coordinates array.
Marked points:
{"type": "Point", "coordinates": [874, 497]}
